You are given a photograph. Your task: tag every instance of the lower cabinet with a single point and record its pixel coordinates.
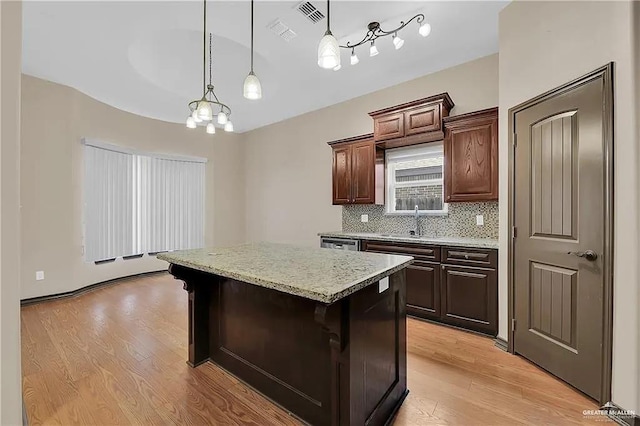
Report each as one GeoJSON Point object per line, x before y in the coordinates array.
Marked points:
{"type": "Point", "coordinates": [461, 289]}
{"type": "Point", "coordinates": [469, 298]}
{"type": "Point", "coordinates": [423, 289]}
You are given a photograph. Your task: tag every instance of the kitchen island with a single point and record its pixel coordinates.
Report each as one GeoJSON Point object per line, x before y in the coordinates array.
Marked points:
{"type": "Point", "coordinates": [320, 332]}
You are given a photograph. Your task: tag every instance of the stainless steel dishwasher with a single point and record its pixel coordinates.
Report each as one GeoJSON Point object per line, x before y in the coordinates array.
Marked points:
{"type": "Point", "coordinates": [340, 243]}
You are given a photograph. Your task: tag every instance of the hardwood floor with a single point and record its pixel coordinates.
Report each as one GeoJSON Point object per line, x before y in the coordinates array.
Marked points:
{"type": "Point", "coordinates": [117, 355]}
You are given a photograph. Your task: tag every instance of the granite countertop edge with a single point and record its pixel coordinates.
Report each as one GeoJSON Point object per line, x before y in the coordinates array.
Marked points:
{"type": "Point", "coordinates": [439, 241]}
{"type": "Point", "coordinates": [284, 288]}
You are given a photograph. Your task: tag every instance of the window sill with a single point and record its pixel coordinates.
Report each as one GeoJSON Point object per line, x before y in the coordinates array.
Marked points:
{"type": "Point", "coordinates": [421, 213]}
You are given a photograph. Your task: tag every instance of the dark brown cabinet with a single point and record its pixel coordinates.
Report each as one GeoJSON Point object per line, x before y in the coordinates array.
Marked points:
{"type": "Point", "coordinates": [456, 286]}
{"type": "Point", "coordinates": [469, 298]}
{"type": "Point", "coordinates": [423, 289]}
{"type": "Point", "coordinates": [411, 123]}
{"type": "Point", "coordinates": [358, 171]}
{"type": "Point", "coordinates": [389, 126]}
{"type": "Point", "coordinates": [471, 156]}
{"type": "Point", "coordinates": [342, 175]}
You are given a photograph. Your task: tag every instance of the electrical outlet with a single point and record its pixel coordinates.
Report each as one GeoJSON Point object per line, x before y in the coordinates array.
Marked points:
{"type": "Point", "coordinates": [480, 220]}
{"type": "Point", "coordinates": [364, 218]}
{"type": "Point", "coordinates": [39, 275]}
{"type": "Point", "coordinates": [383, 284]}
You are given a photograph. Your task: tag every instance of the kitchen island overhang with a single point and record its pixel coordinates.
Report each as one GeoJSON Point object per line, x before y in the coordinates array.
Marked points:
{"type": "Point", "coordinates": [320, 332]}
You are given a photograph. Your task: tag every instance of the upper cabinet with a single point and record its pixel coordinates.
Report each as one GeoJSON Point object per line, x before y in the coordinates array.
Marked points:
{"type": "Point", "coordinates": [411, 123]}
{"type": "Point", "coordinates": [471, 156]}
{"type": "Point", "coordinates": [358, 171]}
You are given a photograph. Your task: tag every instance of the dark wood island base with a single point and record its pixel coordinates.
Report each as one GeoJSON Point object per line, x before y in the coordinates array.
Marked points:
{"type": "Point", "coordinates": [343, 363]}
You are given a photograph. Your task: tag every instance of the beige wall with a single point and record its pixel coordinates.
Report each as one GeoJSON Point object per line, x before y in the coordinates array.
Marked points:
{"type": "Point", "coordinates": [288, 164]}
{"type": "Point", "coordinates": [546, 44]}
{"type": "Point", "coordinates": [55, 118]}
{"type": "Point", "coordinates": [10, 64]}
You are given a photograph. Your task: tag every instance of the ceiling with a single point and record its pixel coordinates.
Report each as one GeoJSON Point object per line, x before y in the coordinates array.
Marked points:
{"type": "Point", "coordinates": [146, 57]}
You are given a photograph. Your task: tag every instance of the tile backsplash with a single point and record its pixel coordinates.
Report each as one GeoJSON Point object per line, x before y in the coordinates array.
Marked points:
{"type": "Point", "coordinates": [460, 222]}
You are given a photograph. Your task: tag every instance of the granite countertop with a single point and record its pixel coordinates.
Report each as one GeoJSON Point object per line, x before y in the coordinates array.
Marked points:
{"type": "Point", "coordinates": [318, 274]}
{"type": "Point", "coordinates": [440, 241]}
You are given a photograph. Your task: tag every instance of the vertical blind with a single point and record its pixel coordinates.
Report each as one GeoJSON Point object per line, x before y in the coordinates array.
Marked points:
{"type": "Point", "coordinates": [139, 203]}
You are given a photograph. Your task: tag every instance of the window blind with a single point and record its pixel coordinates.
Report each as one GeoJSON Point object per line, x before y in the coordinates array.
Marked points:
{"type": "Point", "coordinates": [175, 201]}
{"type": "Point", "coordinates": [139, 202]}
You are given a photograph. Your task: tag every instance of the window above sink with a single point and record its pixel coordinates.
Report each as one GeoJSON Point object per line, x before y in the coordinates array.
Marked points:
{"type": "Point", "coordinates": [415, 177]}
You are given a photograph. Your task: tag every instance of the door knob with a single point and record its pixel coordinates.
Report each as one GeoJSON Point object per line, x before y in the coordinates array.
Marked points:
{"type": "Point", "coordinates": [590, 255]}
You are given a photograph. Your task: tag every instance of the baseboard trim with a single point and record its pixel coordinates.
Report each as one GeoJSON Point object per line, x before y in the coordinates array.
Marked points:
{"type": "Point", "coordinates": [500, 343]}
{"type": "Point", "coordinates": [86, 289]}
{"type": "Point", "coordinates": [444, 324]}
{"type": "Point", "coordinates": [620, 415]}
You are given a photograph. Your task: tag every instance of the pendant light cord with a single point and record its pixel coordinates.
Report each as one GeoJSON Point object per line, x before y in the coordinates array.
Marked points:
{"type": "Point", "coordinates": [204, 50]}
{"type": "Point", "coordinates": [328, 17]}
{"type": "Point", "coordinates": [210, 58]}
{"type": "Point", "coordinates": [252, 36]}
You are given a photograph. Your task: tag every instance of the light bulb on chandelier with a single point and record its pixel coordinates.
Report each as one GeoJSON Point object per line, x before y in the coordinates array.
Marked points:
{"type": "Point", "coordinates": [373, 50]}
{"type": "Point", "coordinates": [205, 113]}
{"type": "Point", "coordinates": [425, 29]}
{"type": "Point", "coordinates": [397, 42]}
{"type": "Point", "coordinates": [354, 57]}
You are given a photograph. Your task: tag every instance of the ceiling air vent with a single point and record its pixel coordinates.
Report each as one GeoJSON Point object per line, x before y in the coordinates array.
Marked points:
{"type": "Point", "coordinates": [281, 29]}
{"type": "Point", "coordinates": [310, 11]}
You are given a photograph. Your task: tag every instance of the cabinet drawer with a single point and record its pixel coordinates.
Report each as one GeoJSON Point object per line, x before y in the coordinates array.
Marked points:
{"type": "Point", "coordinates": [418, 251]}
{"type": "Point", "coordinates": [471, 257]}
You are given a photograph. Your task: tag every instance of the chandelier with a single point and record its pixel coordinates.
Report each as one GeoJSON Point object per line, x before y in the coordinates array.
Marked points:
{"type": "Point", "coordinates": [329, 52]}
{"type": "Point", "coordinates": [208, 110]}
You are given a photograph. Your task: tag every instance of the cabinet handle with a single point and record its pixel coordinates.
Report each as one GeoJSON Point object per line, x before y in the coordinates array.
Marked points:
{"type": "Point", "coordinates": [443, 267]}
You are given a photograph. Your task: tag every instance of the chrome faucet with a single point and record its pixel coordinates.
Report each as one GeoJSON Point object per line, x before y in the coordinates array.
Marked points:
{"type": "Point", "coordinates": [417, 217]}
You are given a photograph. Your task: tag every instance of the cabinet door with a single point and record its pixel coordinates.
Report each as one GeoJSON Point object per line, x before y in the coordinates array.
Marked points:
{"type": "Point", "coordinates": [342, 175]}
{"type": "Point", "coordinates": [423, 290]}
{"type": "Point", "coordinates": [389, 126]}
{"type": "Point", "coordinates": [422, 120]}
{"type": "Point", "coordinates": [363, 161]}
{"type": "Point", "coordinates": [470, 298]}
{"type": "Point", "coordinates": [471, 160]}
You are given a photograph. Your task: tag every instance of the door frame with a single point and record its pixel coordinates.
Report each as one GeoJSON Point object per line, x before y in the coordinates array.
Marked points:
{"type": "Point", "coordinates": [606, 74]}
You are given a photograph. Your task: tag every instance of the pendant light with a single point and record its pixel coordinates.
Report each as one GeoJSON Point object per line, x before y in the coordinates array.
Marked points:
{"type": "Point", "coordinates": [328, 49]}
{"type": "Point", "coordinates": [252, 88]}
